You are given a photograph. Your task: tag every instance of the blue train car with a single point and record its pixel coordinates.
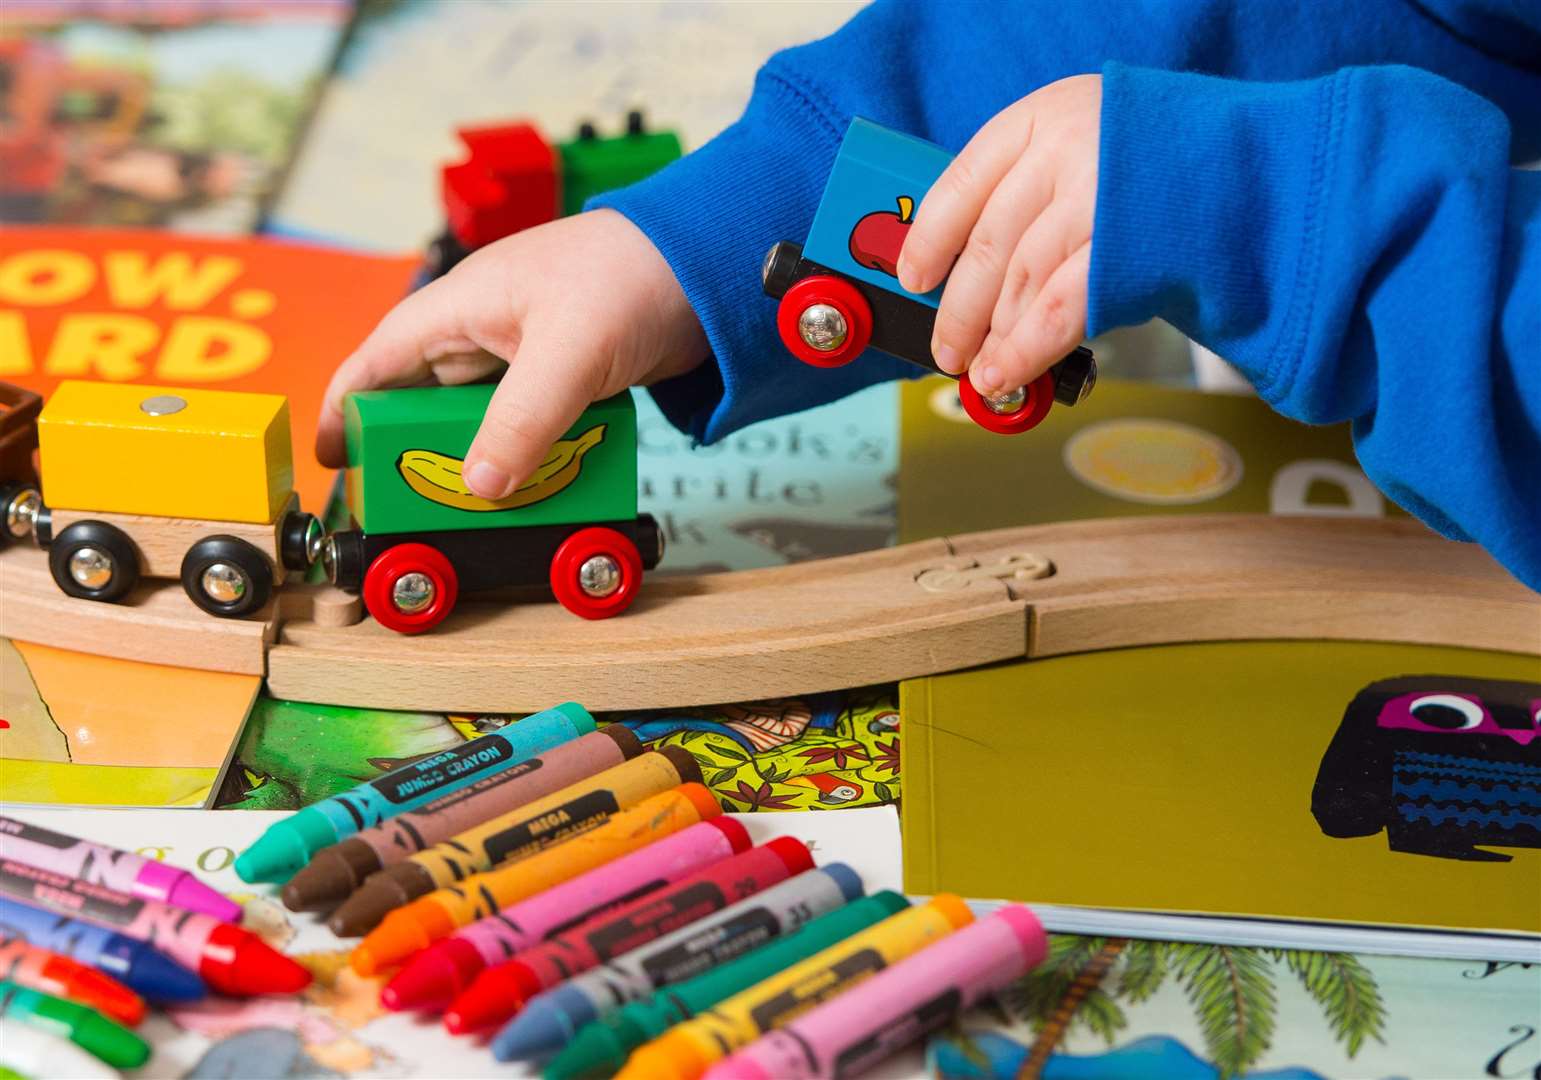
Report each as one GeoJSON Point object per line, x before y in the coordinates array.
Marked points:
{"type": "Point", "coordinates": [839, 293]}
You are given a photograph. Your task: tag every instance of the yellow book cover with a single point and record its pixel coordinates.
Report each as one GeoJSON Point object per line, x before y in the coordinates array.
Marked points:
{"type": "Point", "coordinates": [1348, 783]}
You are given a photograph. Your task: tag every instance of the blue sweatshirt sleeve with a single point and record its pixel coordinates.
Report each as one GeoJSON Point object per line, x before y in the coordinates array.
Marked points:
{"type": "Point", "coordinates": [1361, 248]}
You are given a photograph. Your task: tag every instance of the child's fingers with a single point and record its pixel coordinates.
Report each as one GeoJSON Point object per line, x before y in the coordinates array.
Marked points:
{"type": "Point", "coordinates": [547, 386]}
{"type": "Point", "coordinates": [1045, 246]}
{"type": "Point", "coordinates": [954, 202]}
{"type": "Point", "coordinates": [439, 320]}
{"type": "Point", "coordinates": [1054, 324]}
{"type": "Point", "coordinates": [974, 286]}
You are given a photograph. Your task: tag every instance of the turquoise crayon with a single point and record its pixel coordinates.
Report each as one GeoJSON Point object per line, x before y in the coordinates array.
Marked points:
{"type": "Point", "coordinates": [286, 846]}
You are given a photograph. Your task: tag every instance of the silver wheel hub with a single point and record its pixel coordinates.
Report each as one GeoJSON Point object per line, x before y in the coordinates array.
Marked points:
{"type": "Point", "coordinates": [412, 593]}
{"type": "Point", "coordinates": [21, 513]}
{"type": "Point", "coordinates": [1007, 403]}
{"type": "Point", "coordinates": [599, 576]}
{"type": "Point", "coordinates": [315, 540]}
{"type": "Point", "coordinates": [223, 583]}
{"type": "Point", "coordinates": [91, 568]}
{"type": "Point", "coordinates": [822, 327]}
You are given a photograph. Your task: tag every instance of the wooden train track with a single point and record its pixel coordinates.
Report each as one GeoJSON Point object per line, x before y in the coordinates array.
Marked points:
{"type": "Point", "coordinates": [920, 609]}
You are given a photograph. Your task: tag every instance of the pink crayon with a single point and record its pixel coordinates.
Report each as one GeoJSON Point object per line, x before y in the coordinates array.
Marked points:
{"type": "Point", "coordinates": [231, 960]}
{"type": "Point", "coordinates": [444, 970]}
{"type": "Point", "coordinates": [855, 1030]}
{"type": "Point", "coordinates": [113, 868]}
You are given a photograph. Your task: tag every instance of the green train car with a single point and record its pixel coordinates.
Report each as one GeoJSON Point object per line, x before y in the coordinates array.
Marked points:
{"type": "Point", "coordinates": [420, 537]}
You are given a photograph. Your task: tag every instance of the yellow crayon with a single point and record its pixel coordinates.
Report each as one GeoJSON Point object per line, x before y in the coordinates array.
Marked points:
{"type": "Point", "coordinates": [517, 834]}
{"type": "Point", "coordinates": [687, 1050]}
{"type": "Point", "coordinates": [439, 914]}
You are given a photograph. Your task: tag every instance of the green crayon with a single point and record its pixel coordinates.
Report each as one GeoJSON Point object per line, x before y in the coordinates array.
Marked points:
{"type": "Point", "coordinates": [601, 1048]}
{"type": "Point", "coordinates": [82, 1025]}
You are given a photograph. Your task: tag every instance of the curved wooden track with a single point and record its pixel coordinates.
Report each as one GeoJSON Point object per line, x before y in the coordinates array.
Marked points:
{"type": "Point", "coordinates": [920, 609]}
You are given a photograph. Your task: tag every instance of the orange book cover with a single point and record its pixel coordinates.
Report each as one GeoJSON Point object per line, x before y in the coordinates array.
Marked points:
{"type": "Point", "coordinates": [166, 309]}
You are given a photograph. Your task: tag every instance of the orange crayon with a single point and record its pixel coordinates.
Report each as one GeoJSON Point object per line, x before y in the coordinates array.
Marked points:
{"type": "Point", "coordinates": [439, 914]}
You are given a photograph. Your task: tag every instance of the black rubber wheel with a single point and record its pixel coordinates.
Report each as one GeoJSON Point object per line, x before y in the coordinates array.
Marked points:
{"type": "Point", "coordinates": [246, 578]}
{"type": "Point", "coordinates": [96, 543]}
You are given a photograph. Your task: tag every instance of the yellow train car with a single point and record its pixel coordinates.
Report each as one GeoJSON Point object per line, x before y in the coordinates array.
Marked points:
{"type": "Point", "coordinates": [152, 482]}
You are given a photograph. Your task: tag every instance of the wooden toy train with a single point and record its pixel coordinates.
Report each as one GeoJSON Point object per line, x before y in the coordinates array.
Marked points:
{"type": "Point", "coordinates": [197, 485]}
{"type": "Point", "coordinates": [839, 293]}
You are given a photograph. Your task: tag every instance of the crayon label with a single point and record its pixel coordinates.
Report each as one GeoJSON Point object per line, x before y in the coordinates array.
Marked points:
{"type": "Point", "coordinates": [410, 783]}
{"type": "Point", "coordinates": [68, 855]}
{"type": "Point", "coordinates": [818, 987]}
{"type": "Point", "coordinates": [481, 784]}
{"type": "Point", "coordinates": [654, 920]}
{"type": "Point", "coordinates": [716, 945]}
{"type": "Point", "coordinates": [68, 896]}
{"type": "Point", "coordinates": [552, 827]}
{"type": "Point", "coordinates": [926, 1017]}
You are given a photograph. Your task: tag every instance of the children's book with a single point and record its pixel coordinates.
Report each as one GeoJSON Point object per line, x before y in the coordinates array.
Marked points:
{"type": "Point", "coordinates": [89, 730]}
{"type": "Point", "coordinates": [1118, 1007]}
{"type": "Point", "coordinates": [1129, 449]}
{"type": "Point", "coordinates": [337, 1027]}
{"type": "Point", "coordinates": [160, 308]}
{"type": "Point", "coordinates": [169, 113]}
{"type": "Point", "coordinates": [1319, 795]}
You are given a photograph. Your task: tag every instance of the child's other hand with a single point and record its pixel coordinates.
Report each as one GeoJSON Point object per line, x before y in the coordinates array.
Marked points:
{"type": "Point", "coordinates": [1015, 210]}
{"type": "Point", "coordinates": [577, 310]}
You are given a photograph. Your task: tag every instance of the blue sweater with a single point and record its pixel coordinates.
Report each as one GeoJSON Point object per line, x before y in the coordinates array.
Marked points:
{"type": "Point", "coordinates": [1324, 194]}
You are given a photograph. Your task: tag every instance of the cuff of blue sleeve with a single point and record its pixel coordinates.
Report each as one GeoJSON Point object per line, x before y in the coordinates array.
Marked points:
{"type": "Point", "coordinates": [713, 215]}
{"type": "Point", "coordinates": [1205, 205]}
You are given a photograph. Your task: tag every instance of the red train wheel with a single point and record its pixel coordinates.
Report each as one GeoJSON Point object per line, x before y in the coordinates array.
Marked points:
{"type": "Point", "coordinates": [825, 321]}
{"type": "Point", "coordinates": [1039, 397]}
{"type": "Point", "coordinates": [596, 573]}
{"type": "Point", "coordinates": [410, 588]}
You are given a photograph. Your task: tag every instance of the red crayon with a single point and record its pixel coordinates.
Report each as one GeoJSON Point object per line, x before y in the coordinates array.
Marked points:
{"type": "Point", "coordinates": [231, 960]}
{"type": "Point", "coordinates": [501, 991]}
{"type": "Point", "coordinates": [52, 973]}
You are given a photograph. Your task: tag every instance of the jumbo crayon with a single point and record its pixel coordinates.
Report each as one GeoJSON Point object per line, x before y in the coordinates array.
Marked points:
{"type": "Point", "coordinates": [32, 1051]}
{"type": "Point", "coordinates": [440, 973]}
{"type": "Point", "coordinates": [8, 1073]}
{"type": "Point", "coordinates": [231, 960]}
{"type": "Point", "coordinates": [81, 1024]}
{"type": "Point", "coordinates": [602, 1047]}
{"type": "Point", "coordinates": [500, 992]}
{"type": "Point", "coordinates": [686, 1051]}
{"type": "Point", "coordinates": [551, 1020]}
{"type": "Point", "coordinates": [849, 1034]}
{"type": "Point", "coordinates": [113, 868]}
{"type": "Point", "coordinates": [54, 973]}
{"type": "Point", "coordinates": [336, 871]}
{"type": "Point", "coordinates": [140, 967]}
{"type": "Point", "coordinates": [439, 914]}
{"type": "Point", "coordinates": [287, 845]}
{"type": "Point", "coordinates": [516, 835]}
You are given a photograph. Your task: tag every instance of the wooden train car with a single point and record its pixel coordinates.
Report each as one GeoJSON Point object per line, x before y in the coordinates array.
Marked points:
{"type": "Point", "coordinates": [512, 178]}
{"type": "Point", "coordinates": [839, 293]}
{"type": "Point", "coordinates": [142, 481]}
{"type": "Point", "coordinates": [422, 537]}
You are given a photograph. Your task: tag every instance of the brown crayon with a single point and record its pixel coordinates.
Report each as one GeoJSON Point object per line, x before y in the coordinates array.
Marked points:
{"type": "Point", "coordinates": [515, 835]}
{"type": "Point", "coordinates": [335, 872]}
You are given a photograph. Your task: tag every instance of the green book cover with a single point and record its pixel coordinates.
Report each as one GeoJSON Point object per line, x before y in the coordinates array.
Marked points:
{"type": "Point", "coordinates": [1347, 783]}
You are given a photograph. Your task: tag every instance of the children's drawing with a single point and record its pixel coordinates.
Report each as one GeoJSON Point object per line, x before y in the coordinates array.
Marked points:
{"type": "Point", "coordinates": [1446, 765]}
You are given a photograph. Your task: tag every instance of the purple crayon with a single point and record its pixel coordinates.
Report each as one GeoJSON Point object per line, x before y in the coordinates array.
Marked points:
{"type": "Point", "coordinates": [855, 1030]}
{"type": "Point", "coordinates": [112, 868]}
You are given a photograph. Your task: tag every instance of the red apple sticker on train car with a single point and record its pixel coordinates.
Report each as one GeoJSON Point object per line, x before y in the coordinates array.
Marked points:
{"type": "Point", "coordinates": [877, 238]}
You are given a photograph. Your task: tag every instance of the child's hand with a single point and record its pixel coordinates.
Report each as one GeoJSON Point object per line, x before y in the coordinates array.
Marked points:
{"type": "Point", "coordinates": [578, 310]}
{"type": "Point", "coordinates": [1015, 210]}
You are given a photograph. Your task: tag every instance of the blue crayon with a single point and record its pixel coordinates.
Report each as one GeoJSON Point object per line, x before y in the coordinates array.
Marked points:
{"type": "Point", "coordinates": [550, 1020]}
{"type": "Point", "coordinates": [142, 968]}
{"type": "Point", "coordinates": [287, 846]}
